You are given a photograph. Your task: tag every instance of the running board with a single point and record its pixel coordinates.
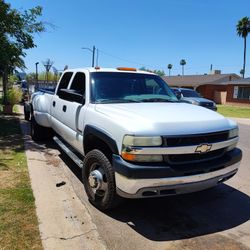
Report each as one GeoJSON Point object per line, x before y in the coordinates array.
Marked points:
{"type": "Point", "coordinates": [69, 152]}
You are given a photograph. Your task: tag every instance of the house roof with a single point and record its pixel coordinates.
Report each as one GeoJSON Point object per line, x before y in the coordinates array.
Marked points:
{"type": "Point", "coordinates": [197, 80]}
{"type": "Point", "coordinates": [241, 81]}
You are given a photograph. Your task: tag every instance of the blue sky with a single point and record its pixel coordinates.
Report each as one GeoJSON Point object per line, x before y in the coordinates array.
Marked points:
{"type": "Point", "coordinates": [140, 33]}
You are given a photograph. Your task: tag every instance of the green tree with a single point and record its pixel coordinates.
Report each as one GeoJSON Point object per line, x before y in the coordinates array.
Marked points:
{"type": "Point", "coordinates": [16, 36]}
{"type": "Point", "coordinates": [170, 66]}
{"type": "Point", "coordinates": [183, 63]}
{"type": "Point", "coordinates": [31, 77]}
{"type": "Point", "coordinates": [243, 28]}
{"type": "Point", "coordinates": [159, 72]}
{"type": "Point", "coordinates": [156, 71]}
{"type": "Point", "coordinates": [46, 76]}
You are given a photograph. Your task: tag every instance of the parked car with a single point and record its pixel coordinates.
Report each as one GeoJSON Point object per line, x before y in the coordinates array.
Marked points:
{"type": "Point", "coordinates": [131, 136]}
{"type": "Point", "coordinates": [193, 97]}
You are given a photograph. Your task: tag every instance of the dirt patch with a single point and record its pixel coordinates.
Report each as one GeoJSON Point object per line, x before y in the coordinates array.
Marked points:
{"type": "Point", "coordinates": [7, 179]}
{"type": "Point", "coordinates": [209, 242]}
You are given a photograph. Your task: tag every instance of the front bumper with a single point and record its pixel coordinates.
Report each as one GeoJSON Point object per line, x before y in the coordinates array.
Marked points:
{"type": "Point", "coordinates": [135, 181]}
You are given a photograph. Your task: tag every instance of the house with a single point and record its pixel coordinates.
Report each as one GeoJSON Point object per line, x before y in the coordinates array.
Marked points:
{"type": "Point", "coordinates": [238, 91]}
{"type": "Point", "coordinates": [222, 88]}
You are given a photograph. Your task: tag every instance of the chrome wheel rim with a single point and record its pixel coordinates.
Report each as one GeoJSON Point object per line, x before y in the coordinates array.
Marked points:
{"type": "Point", "coordinates": [97, 180]}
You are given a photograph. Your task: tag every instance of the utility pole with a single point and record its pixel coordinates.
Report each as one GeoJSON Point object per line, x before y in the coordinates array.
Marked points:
{"type": "Point", "coordinates": [93, 56]}
{"type": "Point", "coordinates": [97, 57]}
{"type": "Point", "coordinates": [37, 72]}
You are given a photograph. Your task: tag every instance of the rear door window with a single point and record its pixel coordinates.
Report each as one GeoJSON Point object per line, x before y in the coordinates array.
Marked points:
{"type": "Point", "coordinates": [63, 84]}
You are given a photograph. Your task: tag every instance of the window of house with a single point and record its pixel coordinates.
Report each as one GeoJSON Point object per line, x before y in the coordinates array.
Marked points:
{"type": "Point", "coordinates": [244, 93]}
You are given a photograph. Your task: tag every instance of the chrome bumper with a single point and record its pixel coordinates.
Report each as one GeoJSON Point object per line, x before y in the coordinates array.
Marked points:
{"type": "Point", "coordinates": [143, 188]}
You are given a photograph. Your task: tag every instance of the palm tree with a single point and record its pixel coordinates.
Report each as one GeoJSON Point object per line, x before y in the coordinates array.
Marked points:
{"type": "Point", "coordinates": [170, 66]}
{"type": "Point", "coordinates": [182, 63]}
{"type": "Point", "coordinates": [243, 28]}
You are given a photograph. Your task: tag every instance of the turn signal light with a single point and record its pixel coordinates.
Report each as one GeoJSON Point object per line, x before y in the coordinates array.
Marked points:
{"type": "Point", "coordinates": [128, 157]}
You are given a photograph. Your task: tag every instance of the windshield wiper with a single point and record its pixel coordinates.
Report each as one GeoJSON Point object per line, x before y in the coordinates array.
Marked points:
{"type": "Point", "coordinates": [116, 101]}
{"type": "Point", "coordinates": [157, 100]}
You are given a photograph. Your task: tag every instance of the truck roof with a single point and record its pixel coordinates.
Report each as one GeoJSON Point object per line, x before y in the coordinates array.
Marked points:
{"type": "Point", "coordinates": [118, 69]}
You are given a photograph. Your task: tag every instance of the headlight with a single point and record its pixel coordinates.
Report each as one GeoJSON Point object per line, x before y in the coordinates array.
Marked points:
{"type": "Point", "coordinates": [140, 141]}
{"type": "Point", "coordinates": [130, 141]}
{"type": "Point", "coordinates": [233, 133]}
{"type": "Point", "coordinates": [195, 102]}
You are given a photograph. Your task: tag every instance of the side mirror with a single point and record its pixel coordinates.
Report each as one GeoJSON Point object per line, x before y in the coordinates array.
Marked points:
{"type": "Point", "coordinates": [178, 95]}
{"type": "Point", "coordinates": [70, 95]}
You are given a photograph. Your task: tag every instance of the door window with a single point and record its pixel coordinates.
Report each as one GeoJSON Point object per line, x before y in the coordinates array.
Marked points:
{"type": "Point", "coordinates": [78, 83]}
{"type": "Point", "coordinates": [63, 84]}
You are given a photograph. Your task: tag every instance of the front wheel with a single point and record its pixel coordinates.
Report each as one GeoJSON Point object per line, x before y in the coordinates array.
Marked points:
{"type": "Point", "coordinates": [99, 180]}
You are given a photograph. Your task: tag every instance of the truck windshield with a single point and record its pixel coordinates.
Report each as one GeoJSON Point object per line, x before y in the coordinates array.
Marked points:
{"type": "Point", "coordinates": [115, 87]}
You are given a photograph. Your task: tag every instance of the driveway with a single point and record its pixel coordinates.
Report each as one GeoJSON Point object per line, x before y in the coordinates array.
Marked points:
{"type": "Point", "coordinates": [214, 219]}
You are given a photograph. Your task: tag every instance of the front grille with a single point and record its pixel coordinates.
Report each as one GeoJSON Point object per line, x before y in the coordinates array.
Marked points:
{"type": "Point", "coordinates": [189, 158]}
{"type": "Point", "coordinates": [207, 104]}
{"type": "Point", "coordinates": [189, 140]}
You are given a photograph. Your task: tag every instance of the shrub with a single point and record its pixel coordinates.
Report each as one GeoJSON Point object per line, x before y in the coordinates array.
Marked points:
{"type": "Point", "coordinates": [14, 96]}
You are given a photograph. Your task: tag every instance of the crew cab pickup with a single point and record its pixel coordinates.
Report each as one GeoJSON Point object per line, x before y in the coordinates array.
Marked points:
{"type": "Point", "coordinates": [132, 137]}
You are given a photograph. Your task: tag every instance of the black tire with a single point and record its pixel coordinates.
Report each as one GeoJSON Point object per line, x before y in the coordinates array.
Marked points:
{"type": "Point", "coordinates": [26, 111]}
{"type": "Point", "coordinates": [26, 115]}
{"type": "Point", "coordinates": [103, 200]}
{"type": "Point", "coordinates": [39, 133]}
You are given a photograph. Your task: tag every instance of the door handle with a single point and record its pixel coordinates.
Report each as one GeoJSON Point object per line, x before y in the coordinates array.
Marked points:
{"type": "Point", "coordinates": [64, 108]}
{"type": "Point", "coordinates": [54, 103]}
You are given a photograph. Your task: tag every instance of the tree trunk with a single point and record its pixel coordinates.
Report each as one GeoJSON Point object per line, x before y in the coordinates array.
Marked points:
{"type": "Point", "coordinates": [244, 63]}
{"type": "Point", "coordinates": [5, 82]}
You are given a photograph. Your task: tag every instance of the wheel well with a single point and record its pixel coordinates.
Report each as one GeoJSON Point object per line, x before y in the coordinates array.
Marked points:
{"type": "Point", "coordinates": [93, 142]}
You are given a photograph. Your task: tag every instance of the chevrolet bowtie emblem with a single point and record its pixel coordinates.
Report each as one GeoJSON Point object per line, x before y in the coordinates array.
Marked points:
{"type": "Point", "coordinates": [203, 148]}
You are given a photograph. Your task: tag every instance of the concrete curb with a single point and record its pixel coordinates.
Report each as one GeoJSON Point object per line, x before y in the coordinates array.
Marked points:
{"type": "Point", "coordinates": [64, 222]}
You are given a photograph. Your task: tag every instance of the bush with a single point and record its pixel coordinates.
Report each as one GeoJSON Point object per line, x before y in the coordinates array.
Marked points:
{"type": "Point", "coordinates": [14, 96]}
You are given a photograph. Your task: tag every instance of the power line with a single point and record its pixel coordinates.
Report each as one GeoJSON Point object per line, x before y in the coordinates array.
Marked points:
{"type": "Point", "coordinates": [126, 60]}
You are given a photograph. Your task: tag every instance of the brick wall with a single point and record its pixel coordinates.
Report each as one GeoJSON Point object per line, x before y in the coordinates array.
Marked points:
{"type": "Point", "coordinates": [230, 92]}
{"type": "Point", "coordinates": [208, 90]}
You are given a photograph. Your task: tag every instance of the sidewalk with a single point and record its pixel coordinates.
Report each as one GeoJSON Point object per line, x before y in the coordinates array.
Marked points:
{"type": "Point", "coordinates": [64, 221]}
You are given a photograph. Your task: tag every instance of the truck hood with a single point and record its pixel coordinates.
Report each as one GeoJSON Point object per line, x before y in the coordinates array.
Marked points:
{"type": "Point", "coordinates": [164, 118]}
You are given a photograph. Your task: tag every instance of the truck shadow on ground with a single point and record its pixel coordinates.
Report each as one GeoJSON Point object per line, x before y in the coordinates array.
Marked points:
{"type": "Point", "coordinates": [180, 217]}
{"type": "Point", "coordinates": [186, 216]}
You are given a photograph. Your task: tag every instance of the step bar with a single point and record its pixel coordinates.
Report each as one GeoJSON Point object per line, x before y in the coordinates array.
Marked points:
{"type": "Point", "coordinates": [66, 149]}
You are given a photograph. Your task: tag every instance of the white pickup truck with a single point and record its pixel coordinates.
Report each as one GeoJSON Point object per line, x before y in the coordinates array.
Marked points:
{"type": "Point", "coordinates": [132, 137]}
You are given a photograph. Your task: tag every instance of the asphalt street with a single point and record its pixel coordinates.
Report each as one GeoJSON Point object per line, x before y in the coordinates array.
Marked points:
{"type": "Point", "coordinates": [213, 219]}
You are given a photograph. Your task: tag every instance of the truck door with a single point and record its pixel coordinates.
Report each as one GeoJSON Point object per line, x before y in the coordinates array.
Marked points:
{"type": "Point", "coordinates": [56, 109]}
{"type": "Point", "coordinates": [69, 119]}
{"type": "Point", "coordinates": [74, 112]}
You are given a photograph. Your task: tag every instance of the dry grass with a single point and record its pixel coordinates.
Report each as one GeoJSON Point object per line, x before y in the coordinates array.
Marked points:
{"type": "Point", "coordinates": [18, 221]}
